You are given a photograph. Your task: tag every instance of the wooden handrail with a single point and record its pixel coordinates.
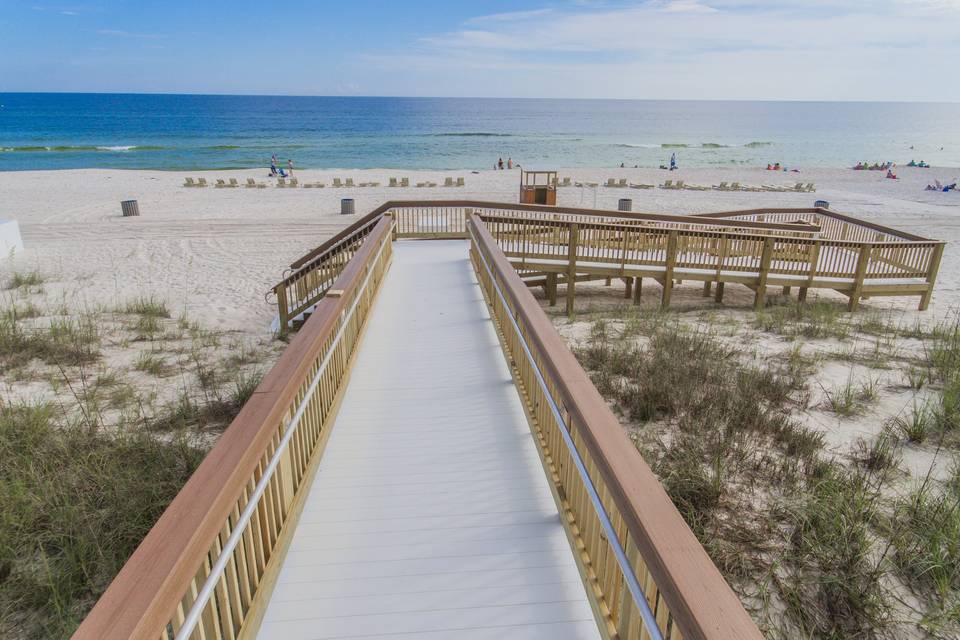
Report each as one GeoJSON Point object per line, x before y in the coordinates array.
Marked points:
{"type": "Point", "coordinates": [819, 211]}
{"type": "Point", "coordinates": [700, 601]}
{"type": "Point", "coordinates": [145, 595]}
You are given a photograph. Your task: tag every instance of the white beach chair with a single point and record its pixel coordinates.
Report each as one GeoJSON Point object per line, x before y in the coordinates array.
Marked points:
{"type": "Point", "coordinates": [611, 182]}
{"type": "Point", "coordinates": [461, 182]}
{"type": "Point", "coordinates": [393, 183]}
{"type": "Point", "coordinates": [721, 187]}
{"type": "Point", "coordinates": [349, 183]}
{"type": "Point", "coordinates": [251, 183]}
{"type": "Point", "coordinates": [233, 183]}
{"type": "Point", "coordinates": [188, 182]}
{"type": "Point", "coordinates": [667, 184]}
{"type": "Point", "coordinates": [641, 185]}
{"type": "Point", "coordinates": [293, 183]}
{"type": "Point", "coordinates": [622, 183]}
{"type": "Point", "coordinates": [810, 188]}
{"type": "Point", "coordinates": [337, 183]}
{"type": "Point", "coordinates": [220, 184]}
{"type": "Point", "coordinates": [201, 182]}
{"type": "Point", "coordinates": [421, 185]}
{"type": "Point", "coordinates": [448, 181]}
{"type": "Point", "coordinates": [281, 183]}
{"type": "Point", "coordinates": [694, 187]}
{"type": "Point", "coordinates": [404, 182]}
{"type": "Point", "coordinates": [565, 182]}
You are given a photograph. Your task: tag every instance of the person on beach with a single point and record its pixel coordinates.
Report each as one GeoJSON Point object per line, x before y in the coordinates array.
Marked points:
{"type": "Point", "coordinates": [500, 164]}
{"type": "Point", "coordinates": [509, 163]}
{"type": "Point", "coordinates": [290, 167]}
{"type": "Point", "coordinates": [273, 168]}
{"type": "Point", "coordinates": [673, 161]}
{"type": "Point", "coordinates": [891, 175]}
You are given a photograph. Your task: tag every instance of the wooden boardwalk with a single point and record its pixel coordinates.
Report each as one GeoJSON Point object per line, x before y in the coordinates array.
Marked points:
{"type": "Point", "coordinates": [430, 515]}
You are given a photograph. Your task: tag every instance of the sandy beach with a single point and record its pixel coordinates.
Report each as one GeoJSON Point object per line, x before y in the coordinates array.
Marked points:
{"type": "Point", "coordinates": [215, 252]}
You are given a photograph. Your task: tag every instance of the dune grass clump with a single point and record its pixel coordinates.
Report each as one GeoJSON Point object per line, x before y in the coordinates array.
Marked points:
{"type": "Point", "coordinates": [20, 279]}
{"type": "Point", "coordinates": [74, 503]}
{"type": "Point", "coordinates": [831, 582]}
{"type": "Point", "coordinates": [64, 341]}
{"type": "Point", "coordinates": [807, 320]}
{"type": "Point", "coordinates": [146, 306]}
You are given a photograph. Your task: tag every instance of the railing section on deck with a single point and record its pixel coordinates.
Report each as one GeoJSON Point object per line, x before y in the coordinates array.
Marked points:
{"type": "Point", "coordinates": [199, 572]}
{"type": "Point", "coordinates": [632, 543]}
{"type": "Point", "coordinates": [716, 254]}
{"type": "Point", "coordinates": [303, 288]}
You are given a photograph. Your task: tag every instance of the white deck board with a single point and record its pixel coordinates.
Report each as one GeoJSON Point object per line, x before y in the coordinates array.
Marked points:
{"type": "Point", "coordinates": [430, 515]}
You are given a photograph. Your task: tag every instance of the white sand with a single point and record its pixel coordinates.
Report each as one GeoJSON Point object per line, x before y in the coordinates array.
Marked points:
{"type": "Point", "coordinates": [216, 252]}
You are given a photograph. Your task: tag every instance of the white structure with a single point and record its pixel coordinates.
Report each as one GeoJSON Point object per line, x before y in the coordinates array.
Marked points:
{"type": "Point", "coordinates": [10, 241]}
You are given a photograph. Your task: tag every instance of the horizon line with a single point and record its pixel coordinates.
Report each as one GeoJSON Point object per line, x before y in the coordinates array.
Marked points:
{"type": "Point", "coordinates": [402, 97]}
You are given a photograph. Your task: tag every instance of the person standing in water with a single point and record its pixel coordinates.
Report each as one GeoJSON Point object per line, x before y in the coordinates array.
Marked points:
{"type": "Point", "coordinates": [509, 163]}
{"type": "Point", "coordinates": [290, 167]}
{"type": "Point", "coordinates": [673, 161]}
{"type": "Point", "coordinates": [500, 164]}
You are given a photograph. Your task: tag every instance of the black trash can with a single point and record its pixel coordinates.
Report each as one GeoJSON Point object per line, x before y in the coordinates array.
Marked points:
{"type": "Point", "coordinates": [130, 208]}
{"type": "Point", "coordinates": [821, 204]}
{"type": "Point", "coordinates": [347, 207]}
{"type": "Point", "coordinates": [625, 204]}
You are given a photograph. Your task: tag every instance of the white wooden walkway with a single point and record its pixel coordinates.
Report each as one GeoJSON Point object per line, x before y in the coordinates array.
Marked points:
{"type": "Point", "coordinates": [430, 515]}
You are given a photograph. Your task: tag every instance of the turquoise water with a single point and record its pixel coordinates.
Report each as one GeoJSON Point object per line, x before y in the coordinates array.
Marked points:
{"type": "Point", "coordinates": [60, 131]}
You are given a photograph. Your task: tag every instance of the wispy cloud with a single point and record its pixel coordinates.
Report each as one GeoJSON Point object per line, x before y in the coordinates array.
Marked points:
{"type": "Point", "coordinates": [511, 16]}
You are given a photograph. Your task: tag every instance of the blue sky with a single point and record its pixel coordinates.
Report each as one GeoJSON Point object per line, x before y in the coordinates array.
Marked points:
{"type": "Point", "coordinates": [657, 49]}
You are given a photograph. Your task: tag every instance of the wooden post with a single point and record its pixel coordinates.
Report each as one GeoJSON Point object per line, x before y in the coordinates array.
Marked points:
{"type": "Point", "coordinates": [607, 282]}
{"type": "Point", "coordinates": [706, 288]}
{"type": "Point", "coordinates": [863, 260]}
{"type": "Point", "coordinates": [765, 257]}
{"type": "Point", "coordinates": [814, 264]}
{"type": "Point", "coordinates": [572, 267]}
{"type": "Point", "coordinates": [786, 290]}
{"type": "Point", "coordinates": [637, 286]}
{"type": "Point", "coordinates": [932, 271]}
{"type": "Point", "coordinates": [668, 274]}
{"type": "Point", "coordinates": [718, 296]}
{"type": "Point", "coordinates": [281, 291]}
{"type": "Point", "coordinates": [552, 289]}
{"type": "Point", "coordinates": [627, 288]}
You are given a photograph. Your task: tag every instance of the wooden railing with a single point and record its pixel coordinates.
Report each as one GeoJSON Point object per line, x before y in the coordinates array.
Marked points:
{"type": "Point", "coordinates": [904, 267]}
{"type": "Point", "coordinates": [648, 575]}
{"type": "Point", "coordinates": [206, 560]}
{"type": "Point", "coordinates": [303, 288]}
{"type": "Point", "coordinates": [835, 226]}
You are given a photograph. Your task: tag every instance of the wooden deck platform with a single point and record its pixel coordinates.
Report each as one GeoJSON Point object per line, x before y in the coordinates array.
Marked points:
{"type": "Point", "coordinates": [430, 515]}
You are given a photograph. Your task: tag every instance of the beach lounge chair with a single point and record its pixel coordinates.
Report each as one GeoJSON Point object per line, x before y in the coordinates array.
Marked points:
{"type": "Point", "coordinates": [695, 187]}
{"type": "Point", "coordinates": [201, 182]}
{"type": "Point", "coordinates": [448, 182]}
{"type": "Point", "coordinates": [393, 183]}
{"type": "Point", "coordinates": [622, 183]}
{"type": "Point", "coordinates": [461, 182]}
{"type": "Point", "coordinates": [220, 184]}
{"type": "Point", "coordinates": [293, 183]}
{"type": "Point", "coordinates": [337, 183]}
{"type": "Point", "coordinates": [251, 183]}
{"type": "Point", "coordinates": [188, 182]}
{"type": "Point", "coordinates": [281, 183]}
{"type": "Point", "coordinates": [810, 188]}
{"type": "Point", "coordinates": [565, 182]}
{"type": "Point", "coordinates": [374, 184]}
{"type": "Point", "coordinates": [736, 187]}
{"type": "Point", "coordinates": [233, 184]}
{"type": "Point", "coordinates": [404, 182]}
{"type": "Point", "coordinates": [641, 185]}
{"type": "Point", "coordinates": [721, 187]}
{"type": "Point", "coordinates": [773, 187]}
{"type": "Point", "coordinates": [349, 183]}
{"type": "Point", "coordinates": [611, 182]}
{"type": "Point", "coordinates": [667, 184]}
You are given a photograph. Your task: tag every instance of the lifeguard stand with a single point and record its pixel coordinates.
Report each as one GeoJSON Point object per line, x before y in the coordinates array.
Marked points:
{"type": "Point", "coordinates": [538, 187]}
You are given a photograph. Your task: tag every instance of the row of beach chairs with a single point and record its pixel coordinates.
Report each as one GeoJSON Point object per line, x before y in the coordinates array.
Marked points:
{"type": "Point", "coordinates": [293, 183]}
{"type": "Point", "coordinates": [736, 186]}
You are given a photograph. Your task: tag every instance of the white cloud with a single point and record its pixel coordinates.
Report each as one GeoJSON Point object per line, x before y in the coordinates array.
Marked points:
{"type": "Point", "coordinates": [793, 49]}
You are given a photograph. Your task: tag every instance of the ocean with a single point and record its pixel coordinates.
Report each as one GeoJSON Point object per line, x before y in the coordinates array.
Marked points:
{"type": "Point", "coordinates": [192, 132]}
